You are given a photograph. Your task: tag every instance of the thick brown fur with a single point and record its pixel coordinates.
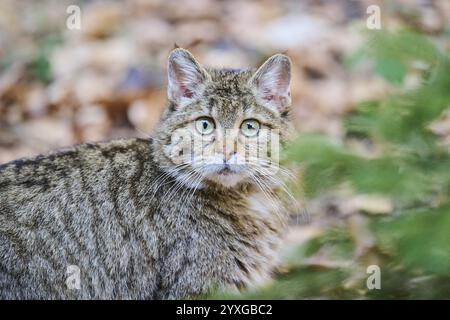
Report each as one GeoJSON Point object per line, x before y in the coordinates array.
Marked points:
{"type": "Point", "coordinates": [134, 229]}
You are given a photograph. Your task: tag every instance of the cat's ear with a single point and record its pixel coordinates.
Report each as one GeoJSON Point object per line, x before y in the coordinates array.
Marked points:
{"type": "Point", "coordinates": [186, 78]}
{"type": "Point", "coordinates": [271, 82]}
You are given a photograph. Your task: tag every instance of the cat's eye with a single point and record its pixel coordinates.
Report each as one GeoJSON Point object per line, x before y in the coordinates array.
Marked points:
{"type": "Point", "coordinates": [250, 127]}
{"type": "Point", "coordinates": [205, 125]}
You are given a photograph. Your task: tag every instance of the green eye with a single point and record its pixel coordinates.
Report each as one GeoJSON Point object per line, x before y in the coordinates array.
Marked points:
{"type": "Point", "coordinates": [204, 125]}
{"type": "Point", "coordinates": [250, 127]}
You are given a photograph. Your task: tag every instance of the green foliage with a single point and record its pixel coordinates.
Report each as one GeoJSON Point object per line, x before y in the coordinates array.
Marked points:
{"type": "Point", "coordinates": [421, 239]}
{"type": "Point", "coordinates": [301, 282]}
{"type": "Point", "coordinates": [394, 173]}
{"type": "Point", "coordinates": [410, 166]}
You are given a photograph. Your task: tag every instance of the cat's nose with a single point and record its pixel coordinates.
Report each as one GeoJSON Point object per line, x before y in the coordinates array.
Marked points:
{"type": "Point", "coordinates": [227, 155]}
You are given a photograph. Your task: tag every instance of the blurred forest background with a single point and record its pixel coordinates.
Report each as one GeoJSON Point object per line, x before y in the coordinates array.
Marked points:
{"type": "Point", "coordinates": [371, 107]}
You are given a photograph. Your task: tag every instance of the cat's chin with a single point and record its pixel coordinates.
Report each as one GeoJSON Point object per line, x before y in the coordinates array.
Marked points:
{"type": "Point", "coordinates": [225, 179]}
{"type": "Point", "coordinates": [224, 175]}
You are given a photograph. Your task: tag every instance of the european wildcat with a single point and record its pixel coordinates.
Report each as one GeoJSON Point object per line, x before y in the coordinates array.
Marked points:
{"type": "Point", "coordinates": [144, 218]}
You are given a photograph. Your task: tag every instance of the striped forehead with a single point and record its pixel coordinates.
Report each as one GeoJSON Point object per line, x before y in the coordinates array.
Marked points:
{"type": "Point", "coordinates": [228, 95]}
{"type": "Point", "coordinates": [226, 111]}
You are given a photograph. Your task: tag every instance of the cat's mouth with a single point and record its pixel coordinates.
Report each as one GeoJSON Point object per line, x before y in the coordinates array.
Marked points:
{"type": "Point", "coordinates": [226, 171]}
{"type": "Point", "coordinates": [225, 174]}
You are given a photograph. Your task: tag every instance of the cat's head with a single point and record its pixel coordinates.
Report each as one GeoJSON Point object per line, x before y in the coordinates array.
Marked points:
{"type": "Point", "coordinates": [223, 126]}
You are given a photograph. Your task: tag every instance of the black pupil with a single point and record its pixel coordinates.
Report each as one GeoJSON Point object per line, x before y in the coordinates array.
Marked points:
{"type": "Point", "coordinates": [205, 125]}
{"type": "Point", "coordinates": [249, 126]}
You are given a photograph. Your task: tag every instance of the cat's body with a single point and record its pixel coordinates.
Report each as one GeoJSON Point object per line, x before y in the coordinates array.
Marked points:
{"type": "Point", "coordinates": [131, 222]}
{"type": "Point", "coordinates": [97, 207]}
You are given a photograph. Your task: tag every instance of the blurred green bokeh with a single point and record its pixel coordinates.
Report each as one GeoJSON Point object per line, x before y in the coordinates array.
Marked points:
{"type": "Point", "coordinates": [405, 162]}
